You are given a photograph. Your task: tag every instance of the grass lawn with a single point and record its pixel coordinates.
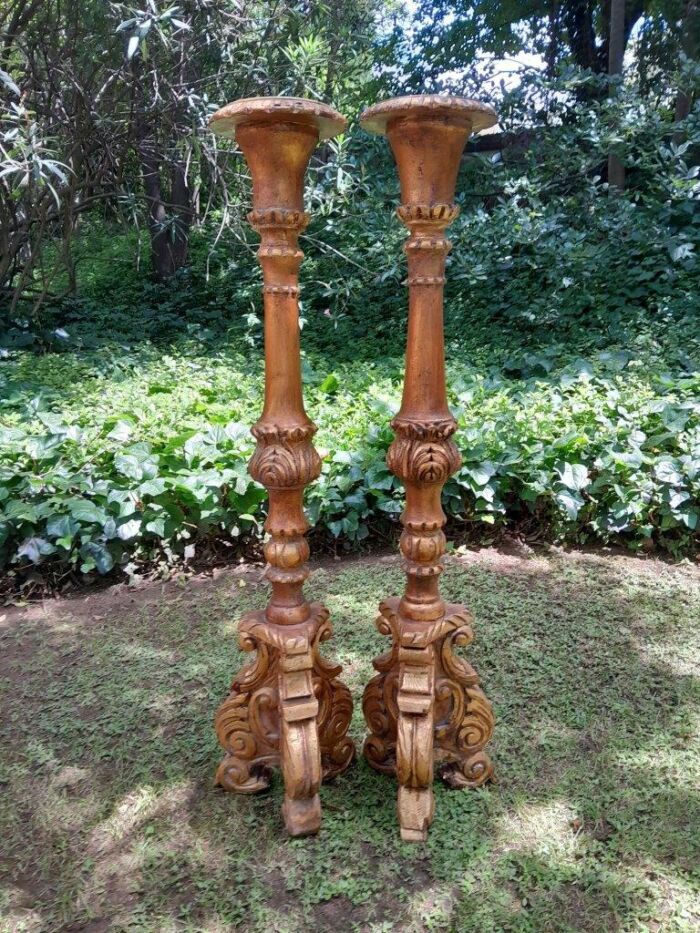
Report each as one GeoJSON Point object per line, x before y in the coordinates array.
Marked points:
{"type": "Point", "coordinates": [109, 820]}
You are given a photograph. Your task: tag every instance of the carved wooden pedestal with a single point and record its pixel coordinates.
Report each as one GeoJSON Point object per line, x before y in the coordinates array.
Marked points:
{"type": "Point", "coordinates": [425, 706]}
{"type": "Point", "coordinates": [287, 707]}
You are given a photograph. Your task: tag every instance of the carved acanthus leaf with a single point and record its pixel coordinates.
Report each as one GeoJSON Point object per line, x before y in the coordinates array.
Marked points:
{"type": "Point", "coordinates": [428, 462]}
{"type": "Point", "coordinates": [284, 458]}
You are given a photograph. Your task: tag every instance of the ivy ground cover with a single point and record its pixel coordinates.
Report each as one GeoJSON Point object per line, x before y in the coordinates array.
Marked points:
{"type": "Point", "coordinates": [118, 457]}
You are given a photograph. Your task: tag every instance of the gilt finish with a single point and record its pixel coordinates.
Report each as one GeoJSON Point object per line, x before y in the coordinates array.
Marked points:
{"type": "Point", "coordinates": [425, 707]}
{"type": "Point", "coordinates": [287, 708]}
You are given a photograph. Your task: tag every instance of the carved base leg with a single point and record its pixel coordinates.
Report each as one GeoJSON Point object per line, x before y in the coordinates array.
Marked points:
{"type": "Point", "coordinates": [425, 708]}
{"type": "Point", "coordinates": [286, 709]}
{"type": "Point", "coordinates": [414, 740]}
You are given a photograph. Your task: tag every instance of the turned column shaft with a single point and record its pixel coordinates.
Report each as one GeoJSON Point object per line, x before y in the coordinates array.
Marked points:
{"type": "Point", "coordinates": [277, 155]}
{"type": "Point", "coordinates": [427, 191]}
{"type": "Point", "coordinates": [285, 461]}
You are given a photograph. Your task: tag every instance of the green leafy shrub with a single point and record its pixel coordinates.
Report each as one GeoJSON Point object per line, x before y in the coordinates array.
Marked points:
{"type": "Point", "coordinates": [573, 340]}
{"type": "Point", "coordinates": [145, 462]}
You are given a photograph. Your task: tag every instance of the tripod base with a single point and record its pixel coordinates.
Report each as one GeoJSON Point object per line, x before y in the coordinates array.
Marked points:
{"type": "Point", "coordinates": [425, 709]}
{"type": "Point", "coordinates": [286, 709]}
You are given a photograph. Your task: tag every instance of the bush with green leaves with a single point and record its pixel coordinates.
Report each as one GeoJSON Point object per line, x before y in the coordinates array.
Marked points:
{"type": "Point", "coordinates": [573, 345]}
{"type": "Point", "coordinates": [147, 457]}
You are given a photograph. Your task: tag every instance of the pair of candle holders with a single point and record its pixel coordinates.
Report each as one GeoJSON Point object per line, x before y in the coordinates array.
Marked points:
{"type": "Point", "coordinates": [424, 708]}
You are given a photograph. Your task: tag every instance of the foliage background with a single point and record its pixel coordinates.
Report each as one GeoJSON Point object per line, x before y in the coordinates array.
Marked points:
{"type": "Point", "coordinates": [131, 309]}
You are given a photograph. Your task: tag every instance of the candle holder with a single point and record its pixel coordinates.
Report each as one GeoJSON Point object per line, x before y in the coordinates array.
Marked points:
{"type": "Point", "coordinates": [425, 706]}
{"type": "Point", "coordinates": [287, 707]}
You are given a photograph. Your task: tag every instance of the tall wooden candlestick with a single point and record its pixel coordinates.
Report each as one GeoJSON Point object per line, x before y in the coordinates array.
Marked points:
{"type": "Point", "coordinates": [425, 705]}
{"type": "Point", "coordinates": [287, 707]}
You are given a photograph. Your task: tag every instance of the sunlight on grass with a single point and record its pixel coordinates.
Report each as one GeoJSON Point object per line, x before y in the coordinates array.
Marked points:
{"type": "Point", "coordinates": [547, 829]}
{"type": "Point", "coordinates": [110, 814]}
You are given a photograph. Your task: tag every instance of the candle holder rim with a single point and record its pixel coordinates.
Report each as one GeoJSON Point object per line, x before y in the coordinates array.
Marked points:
{"type": "Point", "coordinates": [376, 118]}
{"type": "Point", "coordinates": [327, 121]}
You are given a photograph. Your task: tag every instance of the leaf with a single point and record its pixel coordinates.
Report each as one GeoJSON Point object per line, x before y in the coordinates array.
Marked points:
{"type": "Point", "coordinates": [152, 487]}
{"type": "Point", "coordinates": [42, 447]}
{"type": "Point", "coordinates": [61, 526]}
{"type": "Point", "coordinates": [9, 83]}
{"type": "Point", "coordinates": [136, 462]}
{"type": "Point", "coordinates": [21, 511]}
{"type": "Point", "coordinates": [681, 251]}
{"type": "Point", "coordinates": [666, 472]}
{"type": "Point", "coordinates": [678, 497]}
{"type": "Point", "coordinates": [129, 529]}
{"type": "Point", "coordinates": [157, 527]}
{"type": "Point", "coordinates": [390, 506]}
{"type": "Point", "coordinates": [574, 476]}
{"type": "Point", "coordinates": [121, 431]}
{"type": "Point", "coordinates": [570, 502]}
{"type": "Point", "coordinates": [482, 473]}
{"type": "Point", "coordinates": [132, 47]}
{"type": "Point", "coordinates": [236, 430]}
{"type": "Point", "coordinates": [34, 549]}
{"type": "Point", "coordinates": [101, 556]}
{"type": "Point", "coordinates": [196, 448]}
{"type": "Point", "coordinates": [128, 465]}
{"type": "Point", "coordinates": [330, 384]}
{"type": "Point", "coordinates": [85, 511]}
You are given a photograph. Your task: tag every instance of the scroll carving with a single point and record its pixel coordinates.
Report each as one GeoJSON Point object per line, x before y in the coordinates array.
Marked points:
{"type": "Point", "coordinates": [288, 668]}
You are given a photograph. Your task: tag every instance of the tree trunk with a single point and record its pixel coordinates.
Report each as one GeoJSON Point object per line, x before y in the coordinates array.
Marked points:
{"type": "Point", "coordinates": [169, 218]}
{"type": "Point", "coordinates": [616, 52]}
{"type": "Point", "coordinates": [578, 18]}
{"type": "Point", "coordinates": [182, 211]}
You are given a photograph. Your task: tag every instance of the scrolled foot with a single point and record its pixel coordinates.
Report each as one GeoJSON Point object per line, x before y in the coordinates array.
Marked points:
{"type": "Point", "coordinates": [380, 754]}
{"type": "Point", "coordinates": [243, 777]}
{"type": "Point", "coordinates": [465, 719]}
{"type": "Point", "coordinates": [380, 699]}
{"type": "Point", "coordinates": [337, 758]}
{"type": "Point", "coordinates": [469, 772]}
{"type": "Point", "coordinates": [425, 706]}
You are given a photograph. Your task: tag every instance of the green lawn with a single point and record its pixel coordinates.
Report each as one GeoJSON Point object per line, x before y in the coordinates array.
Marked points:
{"type": "Point", "coordinates": [109, 820]}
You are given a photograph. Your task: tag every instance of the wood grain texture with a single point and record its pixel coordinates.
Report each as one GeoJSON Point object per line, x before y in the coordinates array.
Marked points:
{"type": "Point", "coordinates": [287, 708]}
{"type": "Point", "coordinates": [425, 707]}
